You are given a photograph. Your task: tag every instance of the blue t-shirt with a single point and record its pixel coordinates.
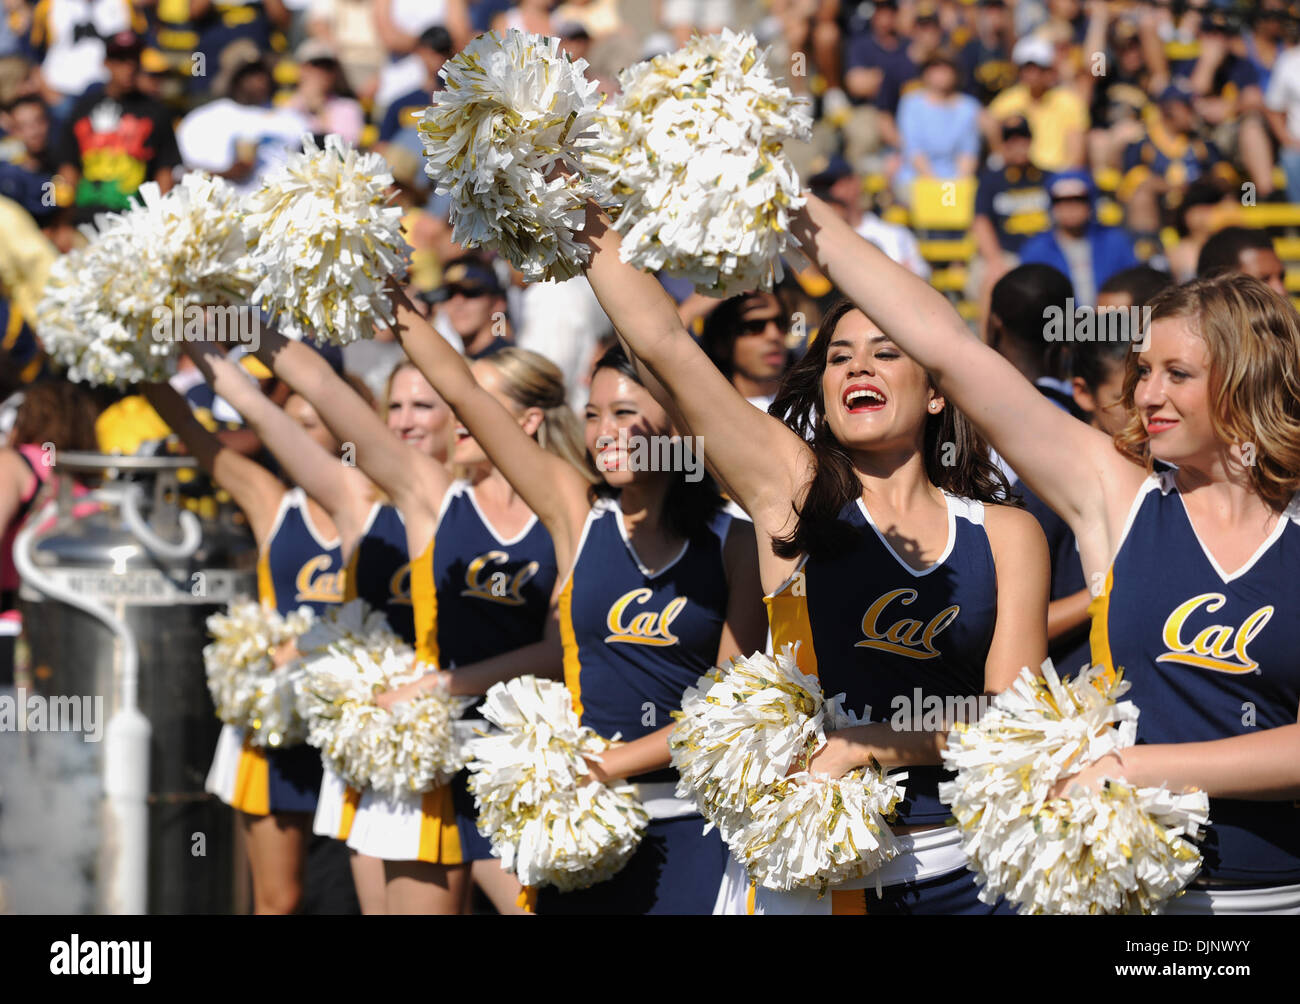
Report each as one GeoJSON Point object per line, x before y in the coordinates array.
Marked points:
{"type": "Point", "coordinates": [1016, 202]}
{"type": "Point", "coordinates": [941, 131]}
{"type": "Point", "coordinates": [864, 51]}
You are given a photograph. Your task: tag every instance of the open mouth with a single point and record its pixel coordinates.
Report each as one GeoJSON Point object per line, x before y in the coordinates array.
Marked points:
{"type": "Point", "coordinates": [1158, 425]}
{"type": "Point", "coordinates": [462, 433]}
{"type": "Point", "coordinates": [863, 397]}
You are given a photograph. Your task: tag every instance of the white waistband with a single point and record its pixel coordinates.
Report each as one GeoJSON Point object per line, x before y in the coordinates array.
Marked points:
{"type": "Point", "coordinates": [920, 856]}
{"type": "Point", "coordinates": [661, 802]}
{"type": "Point", "coordinates": [1282, 899]}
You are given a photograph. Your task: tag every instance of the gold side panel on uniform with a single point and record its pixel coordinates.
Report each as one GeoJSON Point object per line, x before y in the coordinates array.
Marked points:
{"type": "Point", "coordinates": [569, 640]}
{"type": "Point", "coordinates": [1099, 635]}
{"type": "Point", "coordinates": [787, 616]}
{"type": "Point", "coordinates": [252, 792]}
{"type": "Point", "coordinates": [439, 837]}
{"type": "Point", "coordinates": [424, 602]}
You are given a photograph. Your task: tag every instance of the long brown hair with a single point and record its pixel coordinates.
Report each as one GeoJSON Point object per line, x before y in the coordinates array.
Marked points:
{"type": "Point", "coordinates": [956, 456]}
{"type": "Point", "coordinates": [58, 412]}
{"type": "Point", "coordinates": [1252, 336]}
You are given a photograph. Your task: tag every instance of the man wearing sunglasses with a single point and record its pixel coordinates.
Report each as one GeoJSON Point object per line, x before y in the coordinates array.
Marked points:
{"type": "Point", "coordinates": [472, 303]}
{"type": "Point", "coordinates": [746, 339]}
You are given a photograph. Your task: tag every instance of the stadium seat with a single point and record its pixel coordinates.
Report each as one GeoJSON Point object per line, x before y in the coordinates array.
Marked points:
{"type": "Point", "coordinates": [943, 205]}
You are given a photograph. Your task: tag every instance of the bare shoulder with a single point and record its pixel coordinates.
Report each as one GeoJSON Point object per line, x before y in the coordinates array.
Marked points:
{"type": "Point", "coordinates": [1012, 527]}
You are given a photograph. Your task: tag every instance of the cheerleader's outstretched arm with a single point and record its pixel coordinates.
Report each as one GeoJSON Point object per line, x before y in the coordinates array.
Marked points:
{"type": "Point", "coordinates": [763, 464]}
{"type": "Point", "coordinates": [342, 490]}
{"type": "Point", "coordinates": [416, 483]}
{"type": "Point", "coordinates": [255, 490]}
{"type": "Point", "coordinates": [550, 486]}
{"type": "Point", "coordinates": [1068, 464]}
{"type": "Point", "coordinates": [1262, 766]}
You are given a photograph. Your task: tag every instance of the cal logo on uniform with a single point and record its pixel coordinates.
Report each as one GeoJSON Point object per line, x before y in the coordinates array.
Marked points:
{"type": "Point", "coordinates": [904, 636]}
{"type": "Point", "coordinates": [399, 586]}
{"type": "Point", "coordinates": [497, 586]}
{"type": "Point", "coordinates": [646, 627]}
{"type": "Point", "coordinates": [315, 582]}
{"type": "Point", "coordinates": [1219, 647]}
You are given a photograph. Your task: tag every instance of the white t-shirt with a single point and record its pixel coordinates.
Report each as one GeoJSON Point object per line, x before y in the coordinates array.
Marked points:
{"type": "Point", "coordinates": [208, 136]}
{"type": "Point", "coordinates": [897, 242]}
{"type": "Point", "coordinates": [72, 64]}
{"type": "Point", "coordinates": [563, 321]}
{"type": "Point", "coordinates": [1284, 89]}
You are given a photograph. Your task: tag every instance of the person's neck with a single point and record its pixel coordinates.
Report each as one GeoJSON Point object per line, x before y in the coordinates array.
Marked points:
{"type": "Point", "coordinates": [1224, 484]}
{"type": "Point", "coordinates": [479, 340]}
{"type": "Point", "coordinates": [749, 387]}
{"type": "Point", "coordinates": [888, 41]}
{"type": "Point", "coordinates": [895, 478]}
{"type": "Point", "coordinates": [115, 91]}
{"type": "Point", "coordinates": [643, 504]}
{"type": "Point", "coordinates": [1074, 234]}
{"type": "Point", "coordinates": [491, 485]}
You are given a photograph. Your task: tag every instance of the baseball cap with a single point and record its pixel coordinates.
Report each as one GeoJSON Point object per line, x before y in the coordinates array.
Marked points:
{"type": "Point", "coordinates": [314, 50]}
{"type": "Point", "coordinates": [123, 45]}
{"type": "Point", "coordinates": [1070, 185]}
{"type": "Point", "coordinates": [1034, 49]}
{"type": "Point", "coordinates": [1175, 93]}
{"type": "Point", "coordinates": [835, 168]}
{"type": "Point", "coordinates": [571, 29]}
{"type": "Point", "coordinates": [468, 277]}
{"type": "Point", "coordinates": [436, 38]}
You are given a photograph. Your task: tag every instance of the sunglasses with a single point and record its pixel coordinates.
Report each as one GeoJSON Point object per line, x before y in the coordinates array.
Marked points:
{"type": "Point", "coordinates": [468, 292]}
{"type": "Point", "coordinates": [758, 325]}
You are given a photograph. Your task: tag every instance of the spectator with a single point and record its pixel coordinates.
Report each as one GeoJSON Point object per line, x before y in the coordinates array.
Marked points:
{"type": "Point", "coordinates": [1231, 101]}
{"type": "Point", "coordinates": [562, 321]}
{"type": "Point", "coordinates": [1283, 109]}
{"type": "Point", "coordinates": [73, 58]}
{"type": "Point", "coordinates": [1171, 154]}
{"type": "Point", "coordinates": [1205, 208]}
{"type": "Point", "coordinates": [473, 307]}
{"type": "Point", "coordinates": [1011, 204]}
{"type": "Point", "coordinates": [987, 69]}
{"type": "Point", "coordinates": [322, 96]}
{"type": "Point", "coordinates": [813, 24]}
{"type": "Point", "coordinates": [1236, 249]}
{"type": "Point", "coordinates": [115, 138]}
{"type": "Point", "coordinates": [348, 28]}
{"type": "Point", "coordinates": [877, 67]}
{"type": "Point", "coordinates": [239, 135]}
{"type": "Point", "coordinates": [1266, 39]}
{"type": "Point", "coordinates": [530, 15]}
{"type": "Point", "coordinates": [400, 24]}
{"type": "Point", "coordinates": [926, 39]}
{"type": "Point", "coordinates": [838, 185]}
{"type": "Point", "coordinates": [433, 50]}
{"type": "Point", "coordinates": [1084, 250]}
{"type": "Point", "coordinates": [1057, 116]}
{"type": "Point", "coordinates": [684, 17]}
{"type": "Point", "coordinates": [745, 337]}
{"type": "Point", "coordinates": [938, 127]}
{"type": "Point", "coordinates": [1134, 68]}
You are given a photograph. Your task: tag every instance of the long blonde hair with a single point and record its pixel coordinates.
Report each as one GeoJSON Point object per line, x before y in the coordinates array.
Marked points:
{"type": "Point", "coordinates": [533, 381]}
{"type": "Point", "coordinates": [1252, 336]}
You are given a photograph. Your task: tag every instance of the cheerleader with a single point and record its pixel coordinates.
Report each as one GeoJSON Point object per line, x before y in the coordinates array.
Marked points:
{"type": "Point", "coordinates": [300, 563]}
{"type": "Point", "coordinates": [883, 553]}
{"type": "Point", "coordinates": [658, 587]}
{"type": "Point", "coordinates": [1193, 569]}
{"type": "Point", "coordinates": [374, 548]}
{"type": "Point", "coordinates": [482, 570]}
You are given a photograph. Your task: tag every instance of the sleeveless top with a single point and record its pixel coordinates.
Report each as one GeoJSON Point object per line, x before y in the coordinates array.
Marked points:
{"type": "Point", "coordinates": [297, 567]}
{"type": "Point", "coordinates": [378, 570]}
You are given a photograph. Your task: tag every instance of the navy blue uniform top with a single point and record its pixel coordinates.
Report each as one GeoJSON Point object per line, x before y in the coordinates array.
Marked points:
{"type": "Point", "coordinates": [635, 640]}
{"type": "Point", "coordinates": [379, 572]}
{"type": "Point", "coordinates": [476, 595]}
{"type": "Point", "coordinates": [1209, 655]}
{"type": "Point", "coordinates": [297, 566]}
{"type": "Point", "coordinates": [900, 644]}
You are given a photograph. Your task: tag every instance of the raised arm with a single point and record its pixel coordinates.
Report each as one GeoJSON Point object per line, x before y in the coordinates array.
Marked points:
{"type": "Point", "coordinates": [344, 491]}
{"type": "Point", "coordinates": [414, 482]}
{"type": "Point", "coordinates": [255, 490]}
{"type": "Point", "coordinates": [1066, 463]}
{"type": "Point", "coordinates": [763, 464]}
{"type": "Point", "coordinates": [549, 485]}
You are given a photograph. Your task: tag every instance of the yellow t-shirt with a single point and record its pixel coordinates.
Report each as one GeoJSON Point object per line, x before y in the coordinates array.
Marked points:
{"type": "Point", "coordinates": [1051, 119]}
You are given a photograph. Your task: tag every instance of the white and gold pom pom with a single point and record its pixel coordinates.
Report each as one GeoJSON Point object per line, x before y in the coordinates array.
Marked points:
{"type": "Point", "coordinates": [350, 656]}
{"type": "Point", "coordinates": [815, 832]}
{"type": "Point", "coordinates": [325, 241]}
{"type": "Point", "coordinates": [104, 305]}
{"type": "Point", "coordinates": [739, 732]}
{"type": "Point", "coordinates": [1118, 850]}
{"type": "Point", "coordinates": [513, 113]}
{"type": "Point", "coordinates": [248, 689]}
{"type": "Point", "coordinates": [548, 822]}
{"type": "Point", "coordinates": [692, 152]}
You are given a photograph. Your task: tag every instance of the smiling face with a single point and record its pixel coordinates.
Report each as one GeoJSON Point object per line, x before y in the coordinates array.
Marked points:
{"type": "Point", "coordinates": [301, 411]}
{"type": "Point", "coordinates": [873, 396]}
{"type": "Point", "coordinates": [619, 403]}
{"type": "Point", "coordinates": [1172, 394]}
{"type": "Point", "coordinates": [417, 414]}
